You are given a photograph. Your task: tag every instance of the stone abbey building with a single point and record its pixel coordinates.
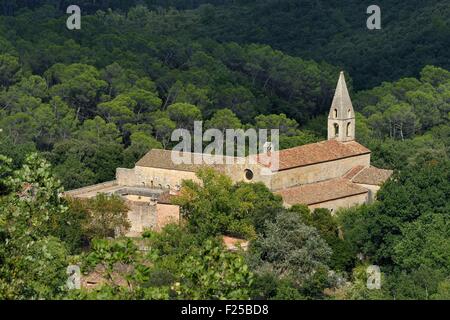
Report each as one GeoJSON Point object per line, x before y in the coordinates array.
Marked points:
{"type": "Point", "coordinates": [332, 174]}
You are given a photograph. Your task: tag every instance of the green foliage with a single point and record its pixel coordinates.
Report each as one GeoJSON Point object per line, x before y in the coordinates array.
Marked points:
{"type": "Point", "coordinates": [107, 216]}
{"type": "Point", "coordinates": [401, 109]}
{"type": "Point", "coordinates": [5, 174]}
{"type": "Point", "coordinates": [257, 204]}
{"type": "Point", "coordinates": [358, 290]}
{"type": "Point", "coordinates": [290, 249]}
{"type": "Point", "coordinates": [420, 284]}
{"type": "Point", "coordinates": [406, 231]}
{"type": "Point", "coordinates": [425, 243]}
{"type": "Point", "coordinates": [212, 273]}
{"type": "Point", "coordinates": [224, 119]}
{"type": "Point", "coordinates": [327, 225]}
{"type": "Point", "coordinates": [218, 207]}
{"type": "Point", "coordinates": [141, 143]}
{"type": "Point", "coordinates": [109, 253]}
{"type": "Point", "coordinates": [184, 114]}
{"type": "Point", "coordinates": [34, 271]}
{"type": "Point", "coordinates": [209, 208]}
{"type": "Point", "coordinates": [99, 217]}
{"type": "Point", "coordinates": [177, 266]}
{"type": "Point", "coordinates": [9, 68]}
{"type": "Point", "coordinates": [416, 191]}
{"type": "Point", "coordinates": [443, 291]}
{"type": "Point", "coordinates": [32, 260]}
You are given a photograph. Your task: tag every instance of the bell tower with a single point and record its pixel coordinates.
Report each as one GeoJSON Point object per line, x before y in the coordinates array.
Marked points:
{"type": "Point", "coordinates": [341, 119]}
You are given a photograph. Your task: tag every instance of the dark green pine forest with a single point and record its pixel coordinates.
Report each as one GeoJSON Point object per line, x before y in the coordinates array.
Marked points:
{"type": "Point", "coordinates": [77, 104]}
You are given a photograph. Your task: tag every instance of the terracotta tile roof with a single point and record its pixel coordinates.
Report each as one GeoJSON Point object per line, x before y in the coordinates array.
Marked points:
{"type": "Point", "coordinates": [321, 192]}
{"type": "Point", "coordinates": [305, 155]}
{"type": "Point", "coordinates": [234, 244]}
{"type": "Point", "coordinates": [353, 172]}
{"type": "Point", "coordinates": [323, 151]}
{"type": "Point", "coordinates": [372, 176]}
{"type": "Point", "coordinates": [158, 158]}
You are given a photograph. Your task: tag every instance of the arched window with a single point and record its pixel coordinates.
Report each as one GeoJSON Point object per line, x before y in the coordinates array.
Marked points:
{"type": "Point", "coordinates": [335, 113]}
{"type": "Point", "coordinates": [349, 113]}
{"type": "Point", "coordinates": [348, 129]}
{"type": "Point", "coordinates": [336, 130]}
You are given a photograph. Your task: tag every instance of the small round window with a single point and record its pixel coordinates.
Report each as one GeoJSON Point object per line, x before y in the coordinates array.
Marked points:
{"type": "Point", "coordinates": [248, 174]}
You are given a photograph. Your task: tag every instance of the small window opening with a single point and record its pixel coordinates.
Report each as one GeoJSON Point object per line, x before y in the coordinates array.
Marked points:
{"type": "Point", "coordinates": [336, 130]}
{"type": "Point", "coordinates": [248, 174]}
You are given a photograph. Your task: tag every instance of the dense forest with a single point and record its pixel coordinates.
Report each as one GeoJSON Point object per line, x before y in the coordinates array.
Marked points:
{"type": "Point", "coordinates": [413, 34]}
{"type": "Point", "coordinates": [75, 105]}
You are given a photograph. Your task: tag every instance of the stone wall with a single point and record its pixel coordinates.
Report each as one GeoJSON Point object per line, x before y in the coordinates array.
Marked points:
{"type": "Point", "coordinates": [90, 189]}
{"type": "Point", "coordinates": [153, 177]}
{"type": "Point", "coordinates": [344, 125]}
{"type": "Point", "coordinates": [348, 202]}
{"type": "Point", "coordinates": [237, 173]}
{"type": "Point", "coordinates": [126, 177]}
{"type": "Point", "coordinates": [146, 214]}
{"type": "Point", "coordinates": [142, 214]}
{"type": "Point", "coordinates": [166, 213]}
{"type": "Point", "coordinates": [373, 190]}
{"type": "Point", "coordinates": [317, 172]}
{"type": "Point", "coordinates": [164, 178]}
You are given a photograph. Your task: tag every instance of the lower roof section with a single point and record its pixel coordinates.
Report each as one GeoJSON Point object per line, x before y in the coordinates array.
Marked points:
{"type": "Point", "coordinates": [372, 176]}
{"type": "Point", "coordinates": [320, 192]}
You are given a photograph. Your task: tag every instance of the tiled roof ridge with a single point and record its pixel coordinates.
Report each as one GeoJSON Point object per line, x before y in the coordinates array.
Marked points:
{"type": "Point", "coordinates": [319, 152]}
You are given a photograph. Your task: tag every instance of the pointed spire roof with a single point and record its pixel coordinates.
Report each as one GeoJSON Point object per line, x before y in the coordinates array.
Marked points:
{"type": "Point", "coordinates": [341, 101]}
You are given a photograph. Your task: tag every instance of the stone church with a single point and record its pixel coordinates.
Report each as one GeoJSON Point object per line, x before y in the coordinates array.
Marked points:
{"type": "Point", "coordinates": [332, 174]}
